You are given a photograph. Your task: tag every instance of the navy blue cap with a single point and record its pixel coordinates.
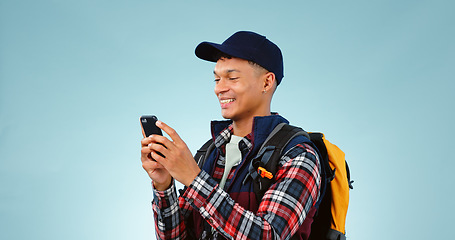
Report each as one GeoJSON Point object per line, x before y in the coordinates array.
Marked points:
{"type": "Point", "coordinates": [249, 46]}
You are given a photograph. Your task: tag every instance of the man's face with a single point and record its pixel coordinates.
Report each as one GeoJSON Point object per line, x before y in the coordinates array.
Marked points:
{"type": "Point", "coordinates": [239, 86]}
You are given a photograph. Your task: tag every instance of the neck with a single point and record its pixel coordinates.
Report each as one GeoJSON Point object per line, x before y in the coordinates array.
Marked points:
{"type": "Point", "coordinates": [244, 126]}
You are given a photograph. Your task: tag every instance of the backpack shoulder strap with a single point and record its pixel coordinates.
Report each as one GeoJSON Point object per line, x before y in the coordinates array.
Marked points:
{"type": "Point", "coordinates": [265, 165]}
{"type": "Point", "coordinates": [282, 134]}
{"type": "Point", "coordinates": [203, 153]}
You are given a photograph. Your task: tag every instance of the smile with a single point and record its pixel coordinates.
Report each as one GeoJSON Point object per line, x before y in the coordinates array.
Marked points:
{"type": "Point", "coordinates": [227, 101]}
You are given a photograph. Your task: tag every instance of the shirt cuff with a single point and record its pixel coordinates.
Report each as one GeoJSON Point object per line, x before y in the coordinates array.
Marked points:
{"type": "Point", "coordinates": [164, 199]}
{"type": "Point", "coordinates": [200, 190]}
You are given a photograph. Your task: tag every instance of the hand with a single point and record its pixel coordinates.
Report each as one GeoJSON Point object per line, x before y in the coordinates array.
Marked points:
{"type": "Point", "coordinates": [177, 160]}
{"type": "Point", "coordinates": [159, 175]}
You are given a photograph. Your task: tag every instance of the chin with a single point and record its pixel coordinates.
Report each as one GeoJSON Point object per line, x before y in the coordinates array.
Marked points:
{"type": "Point", "coordinates": [227, 115]}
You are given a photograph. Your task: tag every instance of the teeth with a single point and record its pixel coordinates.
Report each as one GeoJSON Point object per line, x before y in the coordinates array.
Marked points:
{"type": "Point", "coordinates": [227, 100]}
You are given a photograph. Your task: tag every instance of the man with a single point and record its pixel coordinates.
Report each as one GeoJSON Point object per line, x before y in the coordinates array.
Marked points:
{"type": "Point", "coordinates": [217, 201]}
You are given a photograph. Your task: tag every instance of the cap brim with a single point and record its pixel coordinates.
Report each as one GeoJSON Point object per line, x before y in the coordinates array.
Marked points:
{"type": "Point", "coordinates": [210, 51]}
{"type": "Point", "coordinates": [207, 51]}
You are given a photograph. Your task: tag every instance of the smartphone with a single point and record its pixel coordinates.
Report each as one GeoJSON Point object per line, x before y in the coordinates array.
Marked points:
{"type": "Point", "coordinates": [149, 127]}
{"type": "Point", "coordinates": [148, 123]}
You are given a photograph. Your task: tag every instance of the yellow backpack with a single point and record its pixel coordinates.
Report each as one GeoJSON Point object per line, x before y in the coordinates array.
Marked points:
{"type": "Point", "coordinates": [329, 223]}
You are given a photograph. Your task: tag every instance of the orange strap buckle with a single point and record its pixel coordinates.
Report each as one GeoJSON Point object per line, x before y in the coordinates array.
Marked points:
{"type": "Point", "coordinates": [264, 173]}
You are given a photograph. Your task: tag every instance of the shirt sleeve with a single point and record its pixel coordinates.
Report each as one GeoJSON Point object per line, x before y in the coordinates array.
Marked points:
{"type": "Point", "coordinates": [282, 209]}
{"type": "Point", "coordinates": [169, 217]}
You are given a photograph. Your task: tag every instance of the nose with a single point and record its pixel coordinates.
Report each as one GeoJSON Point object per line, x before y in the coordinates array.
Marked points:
{"type": "Point", "coordinates": [221, 87]}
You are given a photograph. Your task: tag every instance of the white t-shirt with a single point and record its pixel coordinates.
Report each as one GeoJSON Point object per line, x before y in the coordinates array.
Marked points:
{"type": "Point", "coordinates": [233, 156]}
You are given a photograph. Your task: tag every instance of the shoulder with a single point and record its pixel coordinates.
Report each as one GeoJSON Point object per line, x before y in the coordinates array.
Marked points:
{"type": "Point", "coordinates": [300, 150]}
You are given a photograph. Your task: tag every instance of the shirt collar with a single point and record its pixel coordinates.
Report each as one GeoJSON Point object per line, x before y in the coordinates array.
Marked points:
{"type": "Point", "coordinates": [262, 126]}
{"type": "Point", "coordinates": [245, 145]}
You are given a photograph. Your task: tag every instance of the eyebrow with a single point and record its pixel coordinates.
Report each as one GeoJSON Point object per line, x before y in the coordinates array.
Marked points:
{"type": "Point", "coordinates": [228, 71]}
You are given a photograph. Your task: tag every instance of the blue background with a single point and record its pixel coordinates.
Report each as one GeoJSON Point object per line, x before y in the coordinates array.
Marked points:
{"type": "Point", "coordinates": [377, 77]}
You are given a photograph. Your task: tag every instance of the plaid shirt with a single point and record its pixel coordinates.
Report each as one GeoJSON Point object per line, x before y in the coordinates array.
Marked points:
{"type": "Point", "coordinates": [282, 210]}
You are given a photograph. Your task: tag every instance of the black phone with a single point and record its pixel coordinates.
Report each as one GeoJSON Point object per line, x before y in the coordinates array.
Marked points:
{"type": "Point", "coordinates": [149, 127]}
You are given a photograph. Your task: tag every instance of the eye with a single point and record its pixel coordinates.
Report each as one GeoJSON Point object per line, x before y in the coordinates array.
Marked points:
{"type": "Point", "coordinates": [233, 78]}
{"type": "Point", "coordinates": [216, 80]}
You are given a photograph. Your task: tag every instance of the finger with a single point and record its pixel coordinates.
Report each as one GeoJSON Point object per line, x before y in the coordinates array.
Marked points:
{"type": "Point", "coordinates": [145, 154]}
{"type": "Point", "coordinates": [164, 141]}
{"type": "Point", "coordinates": [160, 149]}
{"type": "Point", "coordinates": [151, 165]}
{"type": "Point", "coordinates": [145, 150]}
{"type": "Point", "coordinates": [170, 131]}
{"type": "Point", "coordinates": [158, 158]}
{"type": "Point", "coordinates": [146, 141]}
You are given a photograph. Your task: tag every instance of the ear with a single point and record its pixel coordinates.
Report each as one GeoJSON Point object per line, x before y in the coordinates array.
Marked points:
{"type": "Point", "coordinates": [269, 81]}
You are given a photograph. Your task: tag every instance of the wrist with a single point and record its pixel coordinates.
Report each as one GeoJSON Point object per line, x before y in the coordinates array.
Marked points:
{"type": "Point", "coordinates": [162, 186]}
{"type": "Point", "coordinates": [191, 179]}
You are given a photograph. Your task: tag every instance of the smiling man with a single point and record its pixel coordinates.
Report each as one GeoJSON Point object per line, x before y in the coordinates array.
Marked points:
{"type": "Point", "coordinates": [219, 201]}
